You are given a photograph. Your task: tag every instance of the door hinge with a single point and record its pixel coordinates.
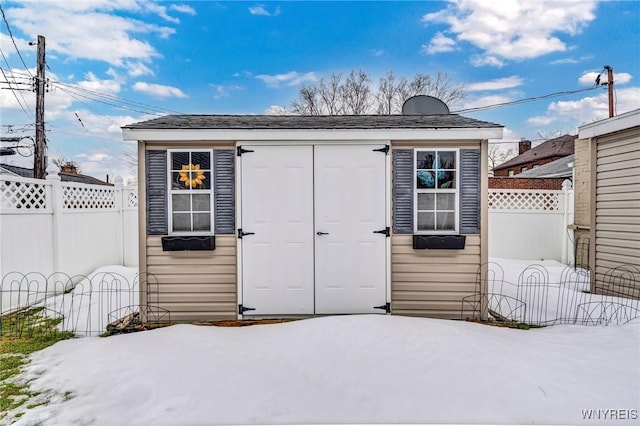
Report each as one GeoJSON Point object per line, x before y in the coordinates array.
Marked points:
{"type": "Point", "coordinates": [386, 232]}
{"type": "Point", "coordinates": [385, 149]}
{"type": "Point", "coordinates": [386, 307]}
{"type": "Point", "coordinates": [242, 234]}
{"type": "Point", "coordinates": [241, 151]}
{"type": "Point", "coordinates": [243, 309]}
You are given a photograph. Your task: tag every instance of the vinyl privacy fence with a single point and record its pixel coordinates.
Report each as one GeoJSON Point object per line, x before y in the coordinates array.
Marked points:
{"type": "Point", "coordinates": [531, 224]}
{"type": "Point", "coordinates": [51, 226]}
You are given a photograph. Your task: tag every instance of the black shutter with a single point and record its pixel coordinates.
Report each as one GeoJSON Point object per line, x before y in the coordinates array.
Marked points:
{"type": "Point", "coordinates": [470, 191]}
{"type": "Point", "coordinates": [156, 188]}
{"type": "Point", "coordinates": [224, 191]}
{"type": "Point", "coordinates": [402, 191]}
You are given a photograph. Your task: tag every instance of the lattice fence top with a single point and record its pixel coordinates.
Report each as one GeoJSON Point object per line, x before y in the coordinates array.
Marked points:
{"type": "Point", "coordinates": [132, 199]}
{"type": "Point", "coordinates": [75, 197]}
{"type": "Point", "coordinates": [530, 200]}
{"type": "Point", "coordinates": [23, 195]}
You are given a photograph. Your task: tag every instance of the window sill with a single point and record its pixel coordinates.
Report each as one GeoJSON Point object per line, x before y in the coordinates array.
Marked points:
{"type": "Point", "coordinates": [439, 242]}
{"type": "Point", "coordinates": [189, 243]}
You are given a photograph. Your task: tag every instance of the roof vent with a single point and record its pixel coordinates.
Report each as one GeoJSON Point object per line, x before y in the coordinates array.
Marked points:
{"type": "Point", "coordinates": [424, 105]}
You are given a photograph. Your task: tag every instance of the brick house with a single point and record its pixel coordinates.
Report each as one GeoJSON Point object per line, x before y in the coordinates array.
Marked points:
{"type": "Point", "coordinates": [529, 158]}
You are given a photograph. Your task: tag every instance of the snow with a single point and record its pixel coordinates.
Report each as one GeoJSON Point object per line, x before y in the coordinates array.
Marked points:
{"type": "Point", "coordinates": [342, 369]}
{"type": "Point", "coordinates": [552, 292]}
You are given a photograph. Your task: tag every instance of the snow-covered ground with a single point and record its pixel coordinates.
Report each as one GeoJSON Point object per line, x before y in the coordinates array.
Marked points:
{"type": "Point", "coordinates": [344, 369]}
{"type": "Point", "coordinates": [547, 292]}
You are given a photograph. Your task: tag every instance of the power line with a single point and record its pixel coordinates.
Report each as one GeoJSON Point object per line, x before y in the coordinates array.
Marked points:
{"type": "Point", "coordinates": [4, 18]}
{"type": "Point", "coordinates": [14, 90]}
{"type": "Point", "coordinates": [525, 100]}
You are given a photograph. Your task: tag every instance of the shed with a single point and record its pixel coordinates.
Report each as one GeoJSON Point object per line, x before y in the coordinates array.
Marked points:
{"type": "Point", "coordinates": [249, 215]}
{"type": "Point", "coordinates": [611, 196]}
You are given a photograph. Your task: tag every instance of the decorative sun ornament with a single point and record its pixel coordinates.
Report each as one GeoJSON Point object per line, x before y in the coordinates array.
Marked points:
{"type": "Point", "coordinates": [191, 175]}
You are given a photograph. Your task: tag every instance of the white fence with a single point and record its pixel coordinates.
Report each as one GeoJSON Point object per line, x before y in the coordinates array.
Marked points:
{"type": "Point", "coordinates": [531, 224]}
{"type": "Point", "coordinates": [51, 226]}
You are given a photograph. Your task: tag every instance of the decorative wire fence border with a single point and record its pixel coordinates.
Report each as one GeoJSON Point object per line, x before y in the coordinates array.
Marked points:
{"type": "Point", "coordinates": [84, 306]}
{"type": "Point", "coordinates": [534, 300]}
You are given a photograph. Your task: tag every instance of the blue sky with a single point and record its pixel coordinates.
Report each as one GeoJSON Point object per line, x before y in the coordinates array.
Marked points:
{"type": "Point", "coordinates": [113, 62]}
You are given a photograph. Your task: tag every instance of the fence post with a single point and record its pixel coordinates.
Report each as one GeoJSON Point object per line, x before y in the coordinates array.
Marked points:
{"type": "Point", "coordinates": [566, 187]}
{"type": "Point", "coordinates": [119, 205]}
{"type": "Point", "coordinates": [55, 197]}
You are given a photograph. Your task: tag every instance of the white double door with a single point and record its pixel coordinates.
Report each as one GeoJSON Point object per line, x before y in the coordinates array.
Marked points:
{"type": "Point", "coordinates": [313, 222]}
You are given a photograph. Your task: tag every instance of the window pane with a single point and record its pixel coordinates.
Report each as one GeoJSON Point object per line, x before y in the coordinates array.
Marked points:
{"type": "Point", "coordinates": [445, 221]}
{"type": "Point", "coordinates": [201, 202]}
{"type": "Point", "coordinates": [181, 202]}
{"type": "Point", "coordinates": [181, 222]}
{"type": "Point", "coordinates": [178, 159]}
{"type": "Point", "coordinates": [424, 159]}
{"type": "Point", "coordinates": [447, 159]}
{"type": "Point", "coordinates": [201, 158]}
{"type": "Point", "coordinates": [426, 201]}
{"type": "Point", "coordinates": [201, 221]}
{"type": "Point", "coordinates": [425, 179]}
{"type": "Point", "coordinates": [425, 221]}
{"type": "Point", "coordinates": [446, 180]}
{"type": "Point", "coordinates": [446, 201]}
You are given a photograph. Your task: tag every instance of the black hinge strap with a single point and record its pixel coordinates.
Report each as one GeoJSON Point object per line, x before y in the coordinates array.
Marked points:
{"type": "Point", "coordinates": [241, 151]}
{"type": "Point", "coordinates": [385, 149]}
{"type": "Point", "coordinates": [242, 234]}
{"type": "Point", "coordinates": [243, 309]}
{"type": "Point", "coordinates": [386, 232]}
{"type": "Point", "coordinates": [386, 307]}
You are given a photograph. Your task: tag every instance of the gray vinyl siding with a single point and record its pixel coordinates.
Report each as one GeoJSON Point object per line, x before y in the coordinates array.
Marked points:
{"type": "Point", "coordinates": [194, 285]}
{"type": "Point", "coordinates": [156, 191]}
{"type": "Point", "coordinates": [617, 199]}
{"type": "Point", "coordinates": [402, 190]}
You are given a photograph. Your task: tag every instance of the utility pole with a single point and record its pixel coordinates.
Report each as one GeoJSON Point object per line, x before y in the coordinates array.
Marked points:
{"type": "Point", "coordinates": [40, 152]}
{"type": "Point", "coordinates": [610, 88]}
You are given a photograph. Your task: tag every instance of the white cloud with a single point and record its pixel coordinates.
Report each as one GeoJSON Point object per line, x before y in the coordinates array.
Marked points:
{"type": "Point", "coordinates": [377, 52]}
{"type": "Point", "coordinates": [496, 84]}
{"type": "Point", "coordinates": [439, 44]}
{"type": "Point", "coordinates": [482, 60]}
{"type": "Point", "coordinates": [158, 90]}
{"type": "Point", "coordinates": [261, 10]}
{"type": "Point", "coordinates": [291, 78]}
{"type": "Point", "coordinates": [223, 91]}
{"type": "Point", "coordinates": [93, 83]}
{"type": "Point", "coordinates": [589, 78]}
{"type": "Point", "coordinates": [588, 109]}
{"type": "Point", "coordinates": [486, 101]}
{"type": "Point", "coordinates": [137, 69]}
{"type": "Point", "coordinates": [76, 27]}
{"type": "Point", "coordinates": [276, 110]}
{"type": "Point", "coordinates": [507, 29]}
{"type": "Point", "coordinates": [183, 8]}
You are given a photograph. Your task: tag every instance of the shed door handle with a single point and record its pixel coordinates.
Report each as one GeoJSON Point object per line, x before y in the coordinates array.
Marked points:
{"type": "Point", "coordinates": [322, 233]}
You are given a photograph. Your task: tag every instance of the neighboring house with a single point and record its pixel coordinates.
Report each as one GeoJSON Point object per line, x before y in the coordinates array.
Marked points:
{"type": "Point", "coordinates": [307, 215]}
{"type": "Point", "coordinates": [530, 158]}
{"type": "Point", "coordinates": [67, 174]}
{"type": "Point", "coordinates": [550, 176]}
{"type": "Point", "coordinates": [607, 200]}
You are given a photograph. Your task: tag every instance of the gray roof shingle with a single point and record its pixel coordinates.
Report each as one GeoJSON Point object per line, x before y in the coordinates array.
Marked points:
{"type": "Point", "coordinates": [284, 122]}
{"type": "Point", "coordinates": [557, 147]}
{"type": "Point", "coordinates": [558, 168]}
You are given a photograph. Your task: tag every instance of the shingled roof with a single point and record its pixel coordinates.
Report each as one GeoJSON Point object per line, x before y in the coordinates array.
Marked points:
{"type": "Point", "coordinates": [284, 122]}
{"type": "Point", "coordinates": [64, 177]}
{"type": "Point", "coordinates": [558, 147]}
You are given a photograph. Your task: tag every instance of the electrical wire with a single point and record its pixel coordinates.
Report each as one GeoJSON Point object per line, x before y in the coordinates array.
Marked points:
{"type": "Point", "coordinates": [525, 100]}
{"type": "Point", "coordinates": [14, 90]}
{"type": "Point", "coordinates": [4, 18]}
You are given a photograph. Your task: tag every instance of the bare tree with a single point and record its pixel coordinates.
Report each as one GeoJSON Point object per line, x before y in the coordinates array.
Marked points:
{"type": "Point", "coordinates": [354, 95]}
{"type": "Point", "coordinates": [65, 163]}
{"type": "Point", "coordinates": [498, 155]}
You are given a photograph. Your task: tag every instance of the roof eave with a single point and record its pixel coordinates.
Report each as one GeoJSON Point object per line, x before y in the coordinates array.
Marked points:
{"type": "Point", "coordinates": [182, 134]}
